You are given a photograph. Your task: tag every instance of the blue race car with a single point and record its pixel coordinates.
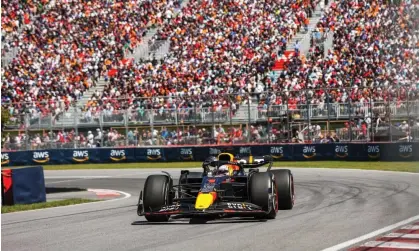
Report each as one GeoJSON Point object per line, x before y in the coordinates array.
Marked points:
{"type": "Point", "coordinates": [223, 189]}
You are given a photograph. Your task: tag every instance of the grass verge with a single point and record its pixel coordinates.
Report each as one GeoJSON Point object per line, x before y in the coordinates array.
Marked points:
{"type": "Point", "coordinates": [58, 203]}
{"type": "Point", "coordinates": [366, 165]}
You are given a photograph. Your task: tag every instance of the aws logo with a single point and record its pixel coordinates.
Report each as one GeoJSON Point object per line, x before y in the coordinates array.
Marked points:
{"type": "Point", "coordinates": [118, 155]}
{"type": "Point", "coordinates": [5, 159]}
{"type": "Point", "coordinates": [341, 151]}
{"type": "Point", "coordinates": [374, 151]}
{"type": "Point", "coordinates": [277, 152]}
{"type": "Point", "coordinates": [245, 150]}
{"type": "Point", "coordinates": [80, 156]}
{"type": "Point", "coordinates": [153, 154]}
{"type": "Point", "coordinates": [186, 153]}
{"type": "Point", "coordinates": [214, 151]}
{"type": "Point", "coordinates": [309, 152]}
{"type": "Point", "coordinates": [40, 157]}
{"type": "Point", "coordinates": [406, 151]}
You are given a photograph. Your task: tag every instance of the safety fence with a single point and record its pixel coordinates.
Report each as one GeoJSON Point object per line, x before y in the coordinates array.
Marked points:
{"type": "Point", "coordinates": [279, 152]}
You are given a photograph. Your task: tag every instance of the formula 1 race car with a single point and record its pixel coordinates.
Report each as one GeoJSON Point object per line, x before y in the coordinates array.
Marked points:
{"type": "Point", "coordinates": [223, 189]}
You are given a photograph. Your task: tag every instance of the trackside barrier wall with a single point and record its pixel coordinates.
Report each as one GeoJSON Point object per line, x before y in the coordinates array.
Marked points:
{"type": "Point", "coordinates": [23, 185]}
{"type": "Point", "coordinates": [280, 152]}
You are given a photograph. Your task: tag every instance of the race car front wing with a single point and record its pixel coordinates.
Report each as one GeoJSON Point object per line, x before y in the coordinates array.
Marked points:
{"type": "Point", "coordinates": [220, 209]}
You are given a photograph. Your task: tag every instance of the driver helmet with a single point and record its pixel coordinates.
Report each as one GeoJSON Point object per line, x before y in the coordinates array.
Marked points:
{"type": "Point", "coordinates": [225, 170]}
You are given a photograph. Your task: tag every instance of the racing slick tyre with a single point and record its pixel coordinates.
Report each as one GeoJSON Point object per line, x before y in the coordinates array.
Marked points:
{"type": "Point", "coordinates": [285, 187]}
{"type": "Point", "coordinates": [157, 194]}
{"type": "Point", "coordinates": [262, 191]}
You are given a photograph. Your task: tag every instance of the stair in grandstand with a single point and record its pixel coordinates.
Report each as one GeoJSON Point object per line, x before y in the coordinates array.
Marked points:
{"type": "Point", "coordinates": [100, 85]}
{"type": "Point", "coordinates": [242, 114]}
{"type": "Point", "coordinates": [303, 37]}
{"type": "Point", "coordinates": [159, 49]}
{"type": "Point", "coordinates": [142, 51]}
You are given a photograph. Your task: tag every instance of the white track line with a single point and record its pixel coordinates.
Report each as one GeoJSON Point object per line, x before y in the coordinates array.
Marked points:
{"type": "Point", "coordinates": [381, 244]}
{"type": "Point", "coordinates": [126, 196]}
{"type": "Point", "coordinates": [401, 235]}
{"type": "Point", "coordinates": [76, 177]}
{"type": "Point", "coordinates": [372, 234]}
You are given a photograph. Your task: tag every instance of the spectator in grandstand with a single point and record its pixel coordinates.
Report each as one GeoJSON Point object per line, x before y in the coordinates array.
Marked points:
{"type": "Point", "coordinates": [373, 59]}
{"type": "Point", "coordinates": [65, 47]}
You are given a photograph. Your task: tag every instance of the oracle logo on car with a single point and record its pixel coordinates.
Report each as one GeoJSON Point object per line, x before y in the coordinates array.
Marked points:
{"type": "Point", "coordinates": [153, 154]}
{"type": "Point", "coordinates": [309, 152]}
{"type": "Point", "coordinates": [80, 156]}
{"type": "Point", "coordinates": [118, 155]}
{"type": "Point", "coordinates": [277, 152]}
{"type": "Point", "coordinates": [186, 153]}
{"type": "Point", "coordinates": [41, 157]}
{"type": "Point", "coordinates": [5, 159]}
{"type": "Point", "coordinates": [341, 151]}
{"type": "Point", "coordinates": [373, 151]}
{"type": "Point", "coordinates": [406, 151]}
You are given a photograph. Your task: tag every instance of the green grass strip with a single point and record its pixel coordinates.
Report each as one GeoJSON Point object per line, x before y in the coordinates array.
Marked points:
{"type": "Point", "coordinates": [48, 204]}
{"type": "Point", "coordinates": [366, 165]}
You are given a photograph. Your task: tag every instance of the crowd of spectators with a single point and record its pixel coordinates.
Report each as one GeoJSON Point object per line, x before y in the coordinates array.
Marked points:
{"type": "Point", "coordinates": [217, 48]}
{"type": "Point", "coordinates": [221, 52]}
{"type": "Point", "coordinates": [374, 59]}
{"type": "Point", "coordinates": [65, 46]}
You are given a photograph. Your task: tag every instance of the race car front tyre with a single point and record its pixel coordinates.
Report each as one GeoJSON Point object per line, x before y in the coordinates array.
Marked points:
{"type": "Point", "coordinates": [262, 192]}
{"type": "Point", "coordinates": [157, 194]}
{"type": "Point", "coordinates": [285, 187]}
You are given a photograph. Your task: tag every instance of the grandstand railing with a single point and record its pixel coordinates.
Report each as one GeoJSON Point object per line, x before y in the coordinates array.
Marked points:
{"type": "Point", "coordinates": [277, 123]}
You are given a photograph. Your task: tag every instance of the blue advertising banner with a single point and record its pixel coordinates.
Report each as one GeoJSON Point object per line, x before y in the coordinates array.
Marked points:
{"type": "Point", "coordinates": [117, 155]}
{"type": "Point", "coordinates": [280, 152]}
{"type": "Point", "coordinates": [150, 154]}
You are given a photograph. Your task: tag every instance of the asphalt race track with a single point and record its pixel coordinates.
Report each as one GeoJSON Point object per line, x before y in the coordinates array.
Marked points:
{"type": "Point", "coordinates": [332, 206]}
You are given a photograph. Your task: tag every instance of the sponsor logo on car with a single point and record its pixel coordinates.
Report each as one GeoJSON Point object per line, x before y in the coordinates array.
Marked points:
{"type": "Point", "coordinates": [235, 205]}
{"type": "Point", "coordinates": [406, 150]}
{"type": "Point", "coordinates": [373, 151]}
{"type": "Point", "coordinates": [309, 152]}
{"type": "Point", "coordinates": [169, 208]}
{"type": "Point", "coordinates": [277, 152]}
{"type": "Point", "coordinates": [153, 154]}
{"type": "Point", "coordinates": [5, 159]}
{"type": "Point", "coordinates": [341, 151]}
{"type": "Point", "coordinates": [40, 157]}
{"type": "Point", "coordinates": [80, 155]}
{"type": "Point", "coordinates": [118, 155]}
{"type": "Point", "coordinates": [186, 153]}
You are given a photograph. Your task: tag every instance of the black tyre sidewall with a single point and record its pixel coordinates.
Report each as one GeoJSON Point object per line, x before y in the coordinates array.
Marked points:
{"type": "Point", "coordinates": [156, 195]}
{"type": "Point", "coordinates": [261, 185]}
{"type": "Point", "coordinates": [285, 188]}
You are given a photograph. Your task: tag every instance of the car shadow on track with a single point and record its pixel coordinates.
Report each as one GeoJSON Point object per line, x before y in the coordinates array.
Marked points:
{"type": "Point", "coordinates": [188, 222]}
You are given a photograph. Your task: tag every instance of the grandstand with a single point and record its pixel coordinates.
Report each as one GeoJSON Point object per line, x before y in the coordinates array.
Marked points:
{"type": "Point", "coordinates": [115, 73]}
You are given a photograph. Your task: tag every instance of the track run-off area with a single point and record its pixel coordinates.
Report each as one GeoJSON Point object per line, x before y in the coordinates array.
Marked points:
{"type": "Point", "coordinates": [332, 207]}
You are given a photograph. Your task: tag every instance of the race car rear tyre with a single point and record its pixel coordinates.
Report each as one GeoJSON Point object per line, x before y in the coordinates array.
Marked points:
{"type": "Point", "coordinates": [157, 194]}
{"type": "Point", "coordinates": [285, 187]}
{"type": "Point", "coordinates": [262, 192]}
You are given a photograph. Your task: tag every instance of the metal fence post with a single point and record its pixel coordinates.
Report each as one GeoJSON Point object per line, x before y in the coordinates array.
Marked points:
{"type": "Point", "coordinates": [249, 119]}
{"type": "Point", "coordinates": [152, 126]}
{"type": "Point", "coordinates": [126, 127]}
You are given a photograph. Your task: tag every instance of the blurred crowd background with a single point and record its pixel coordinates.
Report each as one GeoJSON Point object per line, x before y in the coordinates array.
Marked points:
{"type": "Point", "coordinates": [70, 77]}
